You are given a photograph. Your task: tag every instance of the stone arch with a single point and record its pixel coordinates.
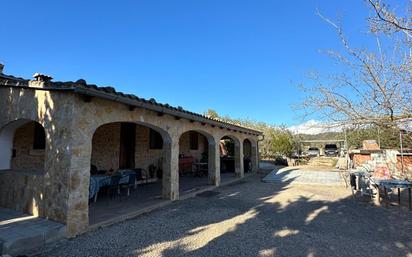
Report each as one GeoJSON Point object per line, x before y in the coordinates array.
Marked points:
{"type": "Point", "coordinates": [83, 136]}
{"type": "Point", "coordinates": [238, 154]}
{"type": "Point", "coordinates": [250, 152]}
{"type": "Point", "coordinates": [7, 135]}
{"type": "Point", "coordinates": [165, 135]}
{"type": "Point", "coordinates": [22, 159]}
{"type": "Point", "coordinates": [213, 153]}
{"type": "Point", "coordinates": [247, 155]}
{"type": "Point", "coordinates": [166, 138]}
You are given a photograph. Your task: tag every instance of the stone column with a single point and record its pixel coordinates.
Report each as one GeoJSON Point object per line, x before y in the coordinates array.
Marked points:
{"type": "Point", "coordinates": [66, 180]}
{"type": "Point", "coordinates": [170, 182]}
{"type": "Point", "coordinates": [214, 163]}
{"type": "Point", "coordinates": [78, 207]}
{"type": "Point", "coordinates": [239, 170]}
{"type": "Point", "coordinates": [79, 179]}
{"type": "Point", "coordinates": [57, 166]}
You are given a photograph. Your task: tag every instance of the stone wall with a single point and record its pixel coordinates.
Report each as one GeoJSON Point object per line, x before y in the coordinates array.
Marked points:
{"type": "Point", "coordinates": [144, 156]}
{"type": "Point", "coordinates": [184, 146]}
{"type": "Point", "coordinates": [22, 187]}
{"type": "Point", "coordinates": [106, 146]}
{"type": "Point", "coordinates": [22, 191]}
{"type": "Point", "coordinates": [49, 190]}
{"type": "Point", "coordinates": [27, 157]}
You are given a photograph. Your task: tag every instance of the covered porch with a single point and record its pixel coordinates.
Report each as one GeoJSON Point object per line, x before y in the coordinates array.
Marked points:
{"type": "Point", "coordinates": [84, 157]}
{"type": "Point", "coordinates": [135, 153]}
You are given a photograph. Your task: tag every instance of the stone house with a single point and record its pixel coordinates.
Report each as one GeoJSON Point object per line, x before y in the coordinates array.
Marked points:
{"type": "Point", "coordinates": [52, 132]}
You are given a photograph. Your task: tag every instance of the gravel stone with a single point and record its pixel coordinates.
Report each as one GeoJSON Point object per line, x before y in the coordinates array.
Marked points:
{"type": "Point", "coordinates": [254, 219]}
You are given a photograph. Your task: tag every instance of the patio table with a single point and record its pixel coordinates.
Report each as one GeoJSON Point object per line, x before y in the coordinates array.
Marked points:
{"type": "Point", "coordinates": [393, 183]}
{"type": "Point", "coordinates": [96, 182]}
{"type": "Point", "coordinates": [125, 176]}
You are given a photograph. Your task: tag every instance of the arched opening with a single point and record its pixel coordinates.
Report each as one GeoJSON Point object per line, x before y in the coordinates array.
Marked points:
{"type": "Point", "coordinates": [127, 162]}
{"type": "Point", "coordinates": [22, 161]}
{"type": "Point", "coordinates": [247, 155]}
{"type": "Point", "coordinates": [230, 158]}
{"type": "Point", "coordinates": [194, 157]}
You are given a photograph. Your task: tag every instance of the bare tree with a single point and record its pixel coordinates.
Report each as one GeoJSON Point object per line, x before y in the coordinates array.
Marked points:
{"type": "Point", "coordinates": [388, 21]}
{"type": "Point", "coordinates": [375, 85]}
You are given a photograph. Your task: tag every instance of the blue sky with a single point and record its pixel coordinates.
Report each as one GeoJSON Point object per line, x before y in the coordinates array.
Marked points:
{"type": "Point", "coordinates": [241, 58]}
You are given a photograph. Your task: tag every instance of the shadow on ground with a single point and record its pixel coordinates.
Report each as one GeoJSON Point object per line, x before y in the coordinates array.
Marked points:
{"type": "Point", "coordinates": [251, 218]}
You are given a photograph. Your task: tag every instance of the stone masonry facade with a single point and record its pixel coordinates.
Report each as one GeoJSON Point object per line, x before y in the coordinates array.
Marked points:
{"type": "Point", "coordinates": [106, 145]}
{"type": "Point", "coordinates": [76, 117]}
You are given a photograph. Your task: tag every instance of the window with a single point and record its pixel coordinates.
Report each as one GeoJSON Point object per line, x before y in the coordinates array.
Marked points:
{"type": "Point", "coordinates": [39, 141]}
{"type": "Point", "coordinates": [156, 141]}
{"type": "Point", "coordinates": [194, 141]}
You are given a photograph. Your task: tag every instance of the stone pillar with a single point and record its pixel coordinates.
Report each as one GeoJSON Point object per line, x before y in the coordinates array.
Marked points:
{"type": "Point", "coordinates": [56, 165]}
{"type": "Point", "coordinates": [214, 163]}
{"type": "Point", "coordinates": [66, 179]}
{"type": "Point", "coordinates": [170, 182]}
{"type": "Point", "coordinates": [239, 170]}
{"type": "Point", "coordinates": [79, 179]}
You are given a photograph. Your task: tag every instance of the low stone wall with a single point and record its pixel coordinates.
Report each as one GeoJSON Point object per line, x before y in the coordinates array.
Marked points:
{"type": "Point", "coordinates": [22, 191]}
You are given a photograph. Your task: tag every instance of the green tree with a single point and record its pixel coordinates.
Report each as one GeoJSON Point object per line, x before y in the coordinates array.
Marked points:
{"type": "Point", "coordinates": [280, 142]}
{"type": "Point", "coordinates": [387, 137]}
{"type": "Point", "coordinates": [277, 140]}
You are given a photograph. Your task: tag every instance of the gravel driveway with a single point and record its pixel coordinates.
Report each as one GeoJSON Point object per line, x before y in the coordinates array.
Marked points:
{"type": "Point", "coordinates": [252, 218]}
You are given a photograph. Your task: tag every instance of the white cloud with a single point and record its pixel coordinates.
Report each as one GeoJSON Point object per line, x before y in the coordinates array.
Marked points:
{"type": "Point", "coordinates": [313, 127]}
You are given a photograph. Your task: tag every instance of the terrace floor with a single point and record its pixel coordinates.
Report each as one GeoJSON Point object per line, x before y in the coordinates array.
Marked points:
{"type": "Point", "coordinates": [145, 198]}
{"type": "Point", "coordinates": [21, 232]}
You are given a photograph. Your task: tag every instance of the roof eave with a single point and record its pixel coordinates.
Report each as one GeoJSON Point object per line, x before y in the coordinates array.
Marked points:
{"type": "Point", "coordinates": [163, 109]}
